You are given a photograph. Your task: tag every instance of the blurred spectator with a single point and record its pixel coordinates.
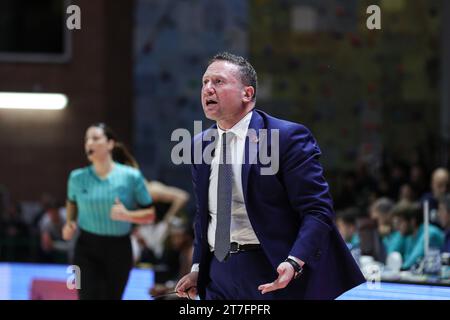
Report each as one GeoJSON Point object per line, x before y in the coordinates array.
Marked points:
{"type": "Point", "coordinates": [406, 193]}
{"type": "Point", "coordinates": [173, 198]}
{"type": "Point", "coordinates": [381, 211]}
{"type": "Point", "coordinates": [439, 186]}
{"type": "Point", "coordinates": [14, 235]}
{"type": "Point", "coordinates": [52, 246]}
{"type": "Point", "coordinates": [347, 197]}
{"type": "Point", "coordinates": [410, 225]}
{"type": "Point", "coordinates": [366, 186]}
{"type": "Point", "coordinates": [181, 240]}
{"type": "Point", "coordinates": [346, 224]}
{"type": "Point", "coordinates": [363, 178]}
{"type": "Point", "coordinates": [148, 239]}
{"type": "Point", "coordinates": [398, 177]}
{"type": "Point", "coordinates": [370, 241]}
{"type": "Point", "coordinates": [417, 180]}
{"type": "Point", "coordinates": [383, 188]}
{"type": "Point", "coordinates": [444, 220]}
{"type": "Point", "coordinates": [45, 201]}
{"type": "Point", "coordinates": [177, 259]}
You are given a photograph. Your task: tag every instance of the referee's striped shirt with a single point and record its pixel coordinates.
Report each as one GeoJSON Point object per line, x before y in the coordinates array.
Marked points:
{"type": "Point", "coordinates": [95, 197]}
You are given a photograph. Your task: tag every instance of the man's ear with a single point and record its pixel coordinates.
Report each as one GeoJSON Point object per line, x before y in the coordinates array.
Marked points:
{"type": "Point", "coordinates": [249, 92]}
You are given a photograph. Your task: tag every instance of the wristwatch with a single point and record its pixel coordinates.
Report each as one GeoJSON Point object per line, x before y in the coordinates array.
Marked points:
{"type": "Point", "coordinates": [298, 270]}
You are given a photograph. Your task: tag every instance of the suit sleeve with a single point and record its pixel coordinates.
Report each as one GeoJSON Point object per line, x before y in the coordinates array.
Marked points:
{"type": "Point", "coordinates": [308, 194]}
{"type": "Point", "coordinates": [197, 228]}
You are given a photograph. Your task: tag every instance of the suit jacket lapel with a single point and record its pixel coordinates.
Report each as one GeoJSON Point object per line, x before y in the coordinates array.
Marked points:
{"type": "Point", "coordinates": [251, 148]}
{"type": "Point", "coordinates": [204, 173]}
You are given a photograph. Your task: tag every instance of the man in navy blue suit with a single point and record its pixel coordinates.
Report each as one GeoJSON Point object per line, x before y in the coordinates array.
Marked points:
{"type": "Point", "coordinates": [261, 232]}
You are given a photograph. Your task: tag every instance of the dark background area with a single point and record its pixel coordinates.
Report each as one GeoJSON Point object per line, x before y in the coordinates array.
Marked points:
{"type": "Point", "coordinates": [376, 100]}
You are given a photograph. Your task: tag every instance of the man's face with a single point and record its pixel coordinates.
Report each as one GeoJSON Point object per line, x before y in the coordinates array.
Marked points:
{"type": "Point", "coordinates": [223, 93]}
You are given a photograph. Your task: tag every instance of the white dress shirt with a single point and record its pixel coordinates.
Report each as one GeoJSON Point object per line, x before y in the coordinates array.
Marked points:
{"type": "Point", "coordinates": [241, 230]}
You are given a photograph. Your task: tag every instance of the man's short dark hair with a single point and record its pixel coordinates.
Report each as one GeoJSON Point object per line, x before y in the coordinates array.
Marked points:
{"type": "Point", "coordinates": [247, 72]}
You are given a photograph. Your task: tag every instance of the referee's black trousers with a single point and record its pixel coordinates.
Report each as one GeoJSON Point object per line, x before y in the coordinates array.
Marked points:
{"type": "Point", "coordinates": [105, 263]}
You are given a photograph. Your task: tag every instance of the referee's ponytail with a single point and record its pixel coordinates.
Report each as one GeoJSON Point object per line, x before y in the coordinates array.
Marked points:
{"type": "Point", "coordinates": [120, 152]}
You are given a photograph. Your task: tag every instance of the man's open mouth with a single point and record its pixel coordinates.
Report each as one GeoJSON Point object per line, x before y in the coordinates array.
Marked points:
{"type": "Point", "coordinates": [210, 102]}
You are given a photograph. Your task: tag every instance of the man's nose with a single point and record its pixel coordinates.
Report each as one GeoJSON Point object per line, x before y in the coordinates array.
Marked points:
{"type": "Point", "coordinates": [208, 89]}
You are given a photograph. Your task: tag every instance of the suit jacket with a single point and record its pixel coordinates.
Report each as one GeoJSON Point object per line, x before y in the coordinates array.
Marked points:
{"type": "Point", "coordinates": [291, 211]}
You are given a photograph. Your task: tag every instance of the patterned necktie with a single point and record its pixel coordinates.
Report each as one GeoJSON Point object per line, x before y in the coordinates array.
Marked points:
{"type": "Point", "coordinates": [224, 185]}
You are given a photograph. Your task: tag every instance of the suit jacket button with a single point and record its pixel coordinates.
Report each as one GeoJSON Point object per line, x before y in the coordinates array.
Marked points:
{"type": "Point", "coordinates": [318, 254]}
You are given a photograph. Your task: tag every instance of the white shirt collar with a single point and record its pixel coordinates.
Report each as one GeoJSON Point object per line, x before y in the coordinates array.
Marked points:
{"type": "Point", "coordinates": [240, 128]}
